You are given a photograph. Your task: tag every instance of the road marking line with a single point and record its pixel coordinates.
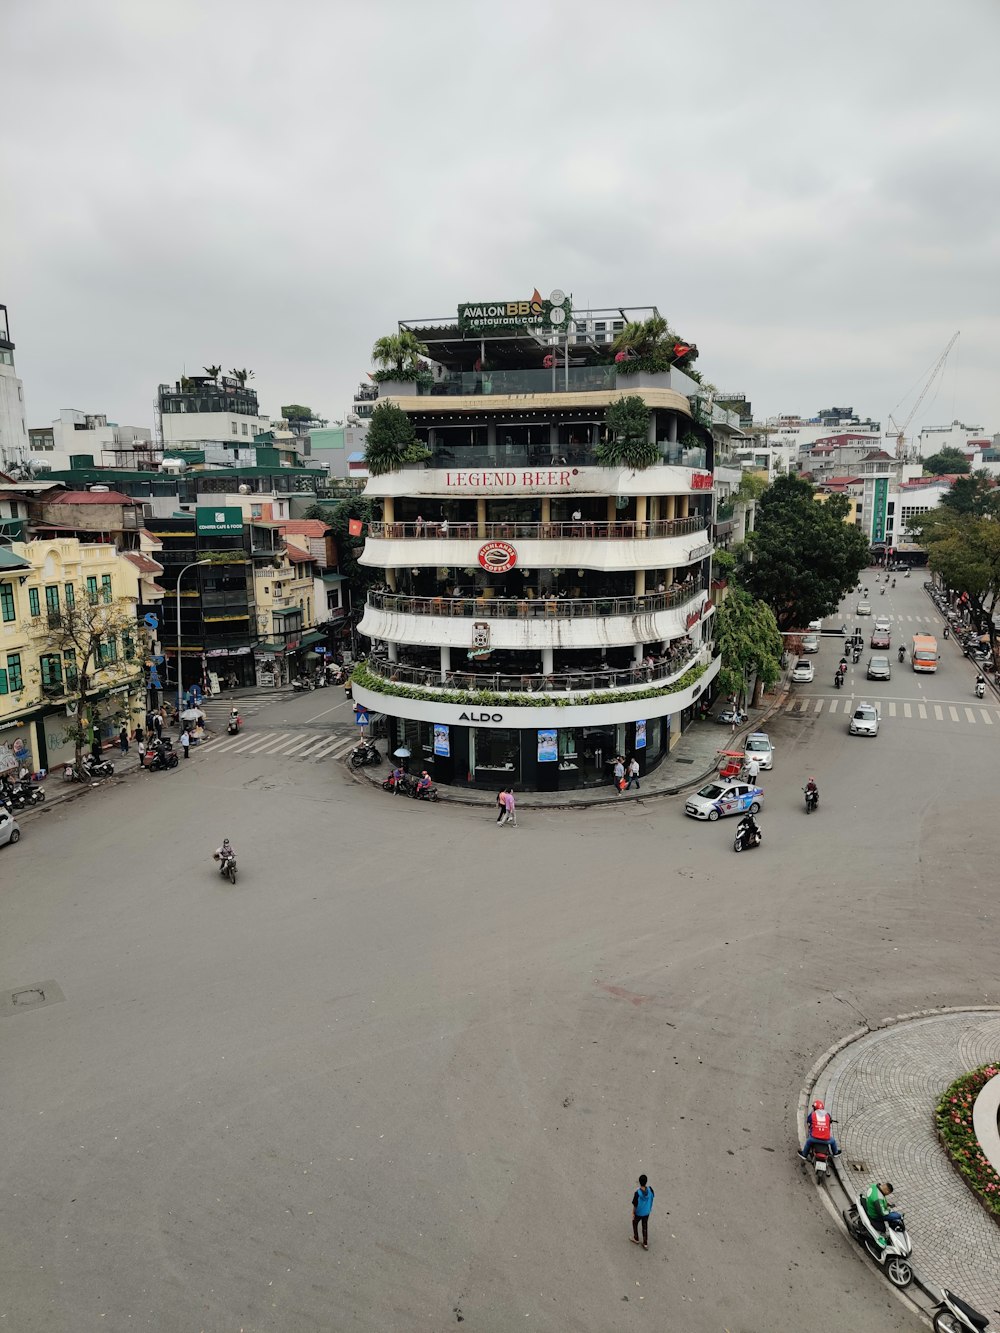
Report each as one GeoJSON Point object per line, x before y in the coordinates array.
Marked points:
{"type": "Point", "coordinates": [938, 715]}
{"type": "Point", "coordinates": [326, 749]}
{"type": "Point", "coordinates": [328, 710]}
{"type": "Point", "coordinates": [306, 745]}
{"type": "Point", "coordinates": [819, 706]}
{"type": "Point", "coordinates": [258, 742]}
{"type": "Point", "coordinates": [922, 711]}
{"type": "Point", "coordinates": [299, 745]}
{"type": "Point", "coordinates": [953, 713]}
{"type": "Point", "coordinates": [986, 717]}
{"type": "Point", "coordinates": [970, 715]}
{"type": "Point", "coordinates": [286, 747]}
{"type": "Point", "coordinates": [228, 743]}
{"type": "Point", "coordinates": [907, 711]}
{"type": "Point", "coordinates": [250, 742]}
{"type": "Point", "coordinates": [892, 710]}
{"type": "Point", "coordinates": [310, 751]}
{"type": "Point", "coordinates": [275, 743]}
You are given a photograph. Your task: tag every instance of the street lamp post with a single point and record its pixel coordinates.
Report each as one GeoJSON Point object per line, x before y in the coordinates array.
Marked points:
{"type": "Point", "coordinates": [193, 565]}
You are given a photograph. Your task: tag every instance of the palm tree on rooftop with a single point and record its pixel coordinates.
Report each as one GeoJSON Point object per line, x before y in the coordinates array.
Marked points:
{"type": "Point", "coordinates": [398, 351]}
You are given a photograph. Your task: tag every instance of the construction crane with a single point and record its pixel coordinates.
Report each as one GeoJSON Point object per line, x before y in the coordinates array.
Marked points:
{"type": "Point", "coordinates": [900, 431]}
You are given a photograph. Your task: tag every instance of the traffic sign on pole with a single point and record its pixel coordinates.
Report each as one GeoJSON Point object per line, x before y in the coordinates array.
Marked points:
{"type": "Point", "coordinates": [361, 718]}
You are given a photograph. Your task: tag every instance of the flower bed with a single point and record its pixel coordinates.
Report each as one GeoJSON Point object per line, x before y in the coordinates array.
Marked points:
{"type": "Point", "coordinates": [953, 1118]}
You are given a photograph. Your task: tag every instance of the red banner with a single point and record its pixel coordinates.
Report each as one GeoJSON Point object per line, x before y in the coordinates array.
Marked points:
{"type": "Point", "coordinates": [701, 481]}
{"type": "Point", "coordinates": [354, 526]}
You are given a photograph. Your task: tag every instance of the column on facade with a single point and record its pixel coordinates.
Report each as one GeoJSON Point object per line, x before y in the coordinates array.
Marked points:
{"type": "Point", "coordinates": [445, 661]}
{"type": "Point", "coordinates": [671, 506]}
{"type": "Point", "coordinates": [637, 654]}
{"type": "Point", "coordinates": [672, 427]}
{"type": "Point", "coordinates": [640, 513]}
{"type": "Point", "coordinates": [546, 661]}
{"type": "Point", "coordinates": [390, 578]}
{"type": "Point", "coordinates": [546, 509]}
{"type": "Point", "coordinates": [612, 510]}
{"type": "Point", "coordinates": [393, 651]}
{"type": "Point", "coordinates": [481, 517]}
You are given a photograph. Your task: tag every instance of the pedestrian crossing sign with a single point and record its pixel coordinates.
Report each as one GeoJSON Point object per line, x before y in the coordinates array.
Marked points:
{"type": "Point", "coordinates": [361, 718]}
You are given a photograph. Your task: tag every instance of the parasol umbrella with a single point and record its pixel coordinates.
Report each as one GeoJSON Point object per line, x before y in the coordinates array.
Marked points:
{"type": "Point", "coordinates": [402, 753]}
{"type": "Point", "coordinates": [191, 714]}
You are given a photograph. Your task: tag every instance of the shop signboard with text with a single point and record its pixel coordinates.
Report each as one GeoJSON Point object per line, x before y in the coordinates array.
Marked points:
{"type": "Point", "coordinates": [509, 316]}
{"type": "Point", "coordinates": [219, 521]}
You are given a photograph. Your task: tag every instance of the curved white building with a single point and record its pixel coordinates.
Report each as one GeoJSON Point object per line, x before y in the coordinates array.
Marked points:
{"type": "Point", "coordinates": [539, 613]}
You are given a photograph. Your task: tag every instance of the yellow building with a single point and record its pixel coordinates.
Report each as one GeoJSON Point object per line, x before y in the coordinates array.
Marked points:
{"type": "Point", "coordinates": [284, 592]}
{"type": "Point", "coordinates": [40, 581]}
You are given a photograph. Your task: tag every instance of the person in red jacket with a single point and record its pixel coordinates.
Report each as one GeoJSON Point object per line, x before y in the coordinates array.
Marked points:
{"type": "Point", "coordinates": [819, 1127]}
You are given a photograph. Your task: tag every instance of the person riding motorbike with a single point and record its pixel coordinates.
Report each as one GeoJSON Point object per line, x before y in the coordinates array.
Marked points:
{"type": "Point", "coordinates": [224, 853]}
{"type": "Point", "coordinates": [980, 686]}
{"type": "Point", "coordinates": [812, 791]}
{"type": "Point", "coordinates": [819, 1131]}
{"type": "Point", "coordinates": [894, 583]}
{"type": "Point", "coordinates": [877, 1205]}
{"type": "Point", "coordinates": [902, 652]}
{"type": "Point", "coordinates": [235, 721]}
{"type": "Point", "coordinates": [947, 632]}
{"type": "Point", "coordinates": [425, 783]}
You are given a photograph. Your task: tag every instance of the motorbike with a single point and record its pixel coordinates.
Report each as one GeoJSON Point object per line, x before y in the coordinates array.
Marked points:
{"type": "Point", "coordinates": [227, 867]}
{"type": "Point", "coordinates": [300, 683]}
{"type": "Point", "coordinates": [425, 793]}
{"type": "Point", "coordinates": [857, 656]}
{"type": "Point", "coordinates": [980, 689]}
{"type": "Point", "coordinates": [890, 1249]}
{"type": "Point", "coordinates": [902, 652]}
{"type": "Point", "coordinates": [906, 575]}
{"type": "Point", "coordinates": [819, 1157]}
{"type": "Point", "coordinates": [812, 799]}
{"type": "Point", "coordinates": [729, 716]}
{"type": "Point", "coordinates": [881, 592]}
{"type": "Point", "coordinates": [365, 753]}
{"type": "Point", "coordinates": [90, 769]}
{"type": "Point", "coordinates": [402, 786]}
{"type": "Point", "coordinates": [748, 835]}
{"type": "Point", "coordinates": [894, 583]}
{"type": "Point", "coordinates": [21, 795]}
{"type": "Point", "coordinates": [838, 680]}
{"type": "Point", "coordinates": [233, 725]}
{"type": "Point", "coordinates": [162, 760]}
{"type": "Point", "coordinates": [954, 1314]}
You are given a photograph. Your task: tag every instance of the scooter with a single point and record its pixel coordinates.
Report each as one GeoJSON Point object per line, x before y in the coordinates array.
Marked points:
{"type": "Point", "coordinates": [233, 725]}
{"type": "Point", "coordinates": [90, 768]}
{"type": "Point", "coordinates": [161, 760]}
{"type": "Point", "coordinates": [906, 575]}
{"type": "Point", "coordinates": [812, 799]}
{"type": "Point", "coordinates": [954, 1314]}
{"type": "Point", "coordinates": [425, 793]}
{"type": "Point", "coordinates": [365, 753]}
{"type": "Point", "coordinates": [838, 680]}
{"type": "Point", "coordinates": [947, 632]}
{"type": "Point", "coordinates": [402, 786]}
{"type": "Point", "coordinates": [227, 867]}
{"type": "Point", "coordinates": [902, 653]}
{"type": "Point", "coordinates": [980, 689]}
{"type": "Point", "coordinates": [729, 716]}
{"type": "Point", "coordinates": [748, 835]}
{"type": "Point", "coordinates": [300, 684]}
{"type": "Point", "coordinates": [820, 1157]}
{"type": "Point", "coordinates": [857, 656]}
{"type": "Point", "coordinates": [20, 795]}
{"type": "Point", "coordinates": [891, 1249]}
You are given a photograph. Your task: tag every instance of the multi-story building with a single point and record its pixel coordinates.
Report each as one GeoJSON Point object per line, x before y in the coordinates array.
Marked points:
{"type": "Point", "coordinates": [90, 435]}
{"type": "Point", "coordinates": [957, 435]}
{"type": "Point", "coordinates": [201, 407]}
{"type": "Point", "coordinates": [541, 611]}
{"type": "Point", "coordinates": [40, 581]}
{"type": "Point", "coordinates": [13, 426]}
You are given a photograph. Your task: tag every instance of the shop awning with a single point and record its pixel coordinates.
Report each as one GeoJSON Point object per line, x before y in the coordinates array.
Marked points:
{"type": "Point", "coordinates": [314, 636]}
{"type": "Point", "coordinates": [269, 648]}
{"type": "Point", "coordinates": [334, 578]}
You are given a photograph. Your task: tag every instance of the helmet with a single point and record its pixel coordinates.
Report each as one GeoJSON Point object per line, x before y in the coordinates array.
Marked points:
{"type": "Point", "coordinates": [225, 842]}
{"type": "Point", "coordinates": [818, 1105]}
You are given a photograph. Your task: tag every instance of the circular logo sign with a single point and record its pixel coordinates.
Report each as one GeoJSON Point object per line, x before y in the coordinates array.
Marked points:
{"type": "Point", "coordinates": [497, 557]}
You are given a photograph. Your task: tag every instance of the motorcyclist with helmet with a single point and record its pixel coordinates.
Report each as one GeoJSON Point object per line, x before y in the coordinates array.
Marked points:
{"type": "Point", "coordinates": [902, 652]}
{"type": "Point", "coordinates": [812, 793]}
{"type": "Point", "coordinates": [819, 1131]}
{"type": "Point", "coordinates": [877, 1205]}
{"type": "Point", "coordinates": [425, 783]}
{"type": "Point", "coordinates": [224, 854]}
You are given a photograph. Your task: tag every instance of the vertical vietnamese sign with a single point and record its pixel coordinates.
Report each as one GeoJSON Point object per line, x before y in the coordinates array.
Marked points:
{"type": "Point", "coordinates": [881, 508]}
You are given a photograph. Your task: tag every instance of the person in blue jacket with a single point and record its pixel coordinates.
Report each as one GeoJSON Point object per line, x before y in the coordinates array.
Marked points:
{"type": "Point", "coordinates": [642, 1206]}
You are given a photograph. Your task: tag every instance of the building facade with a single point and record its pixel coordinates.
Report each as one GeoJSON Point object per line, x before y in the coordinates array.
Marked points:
{"type": "Point", "coordinates": [200, 407]}
{"type": "Point", "coordinates": [13, 425]}
{"type": "Point", "coordinates": [540, 612]}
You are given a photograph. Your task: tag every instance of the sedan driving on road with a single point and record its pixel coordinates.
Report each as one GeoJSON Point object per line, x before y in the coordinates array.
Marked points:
{"type": "Point", "coordinates": [723, 798]}
{"type": "Point", "coordinates": [803, 673]}
{"type": "Point", "coordinates": [879, 668]}
{"type": "Point", "coordinates": [883, 624]}
{"type": "Point", "coordinates": [759, 747]}
{"type": "Point", "coordinates": [865, 721]}
{"type": "Point", "coordinates": [864, 608]}
{"type": "Point", "coordinates": [9, 831]}
{"type": "Point", "coordinates": [881, 638]}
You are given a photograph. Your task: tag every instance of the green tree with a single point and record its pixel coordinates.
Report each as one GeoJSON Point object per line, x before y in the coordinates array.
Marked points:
{"type": "Point", "coordinates": [802, 556]}
{"type": "Point", "coordinates": [213, 372]}
{"type": "Point", "coordinates": [627, 442]}
{"type": "Point", "coordinates": [964, 548]}
{"type": "Point", "coordinates": [297, 412]}
{"type": "Point", "coordinates": [390, 439]}
{"type": "Point", "coordinates": [976, 494]}
{"type": "Point", "coordinates": [947, 460]}
{"type": "Point", "coordinates": [398, 352]}
{"type": "Point", "coordinates": [747, 636]}
{"type": "Point", "coordinates": [751, 486]}
{"type": "Point", "coordinates": [349, 548]}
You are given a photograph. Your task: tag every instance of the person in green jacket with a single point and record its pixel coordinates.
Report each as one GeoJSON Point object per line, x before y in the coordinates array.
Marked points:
{"type": "Point", "coordinates": [877, 1206]}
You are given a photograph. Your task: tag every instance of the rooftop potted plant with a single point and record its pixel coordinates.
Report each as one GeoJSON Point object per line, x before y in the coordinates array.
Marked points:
{"type": "Point", "coordinates": [627, 442]}
{"type": "Point", "coordinates": [391, 441]}
{"type": "Point", "coordinates": [397, 356]}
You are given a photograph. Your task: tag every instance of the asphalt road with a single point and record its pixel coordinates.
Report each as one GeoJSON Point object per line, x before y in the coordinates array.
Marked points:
{"type": "Point", "coordinates": [411, 1064]}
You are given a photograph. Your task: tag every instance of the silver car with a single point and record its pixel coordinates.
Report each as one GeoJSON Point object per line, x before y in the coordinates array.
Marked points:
{"type": "Point", "coordinates": [865, 720]}
{"type": "Point", "coordinates": [879, 668]}
{"type": "Point", "coordinates": [9, 831]}
{"type": "Point", "coordinates": [864, 608]}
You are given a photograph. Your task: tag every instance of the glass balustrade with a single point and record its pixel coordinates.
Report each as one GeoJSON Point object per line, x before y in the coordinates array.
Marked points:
{"type": "Point", "coordinates": [540, 608]}
{"type": "Point", "coordinates": [579, 530]}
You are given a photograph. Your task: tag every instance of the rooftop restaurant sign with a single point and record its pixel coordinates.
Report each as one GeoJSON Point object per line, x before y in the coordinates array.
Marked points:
{"type": "Point", "coordinates": [484, 316]}
{"type": "Point", "coordinates": [511, 479]}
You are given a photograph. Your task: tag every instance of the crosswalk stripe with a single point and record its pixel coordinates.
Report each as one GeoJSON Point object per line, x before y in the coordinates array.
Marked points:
{"type": "Point", "coordinates": [986, 717]}
{"type": "Point", "coordinates": [227, 743]}
{"type": "Point", "coordinates": [275, 742]}
{"type": "Point", "coordinates": [833, 705]}
{"type": "Point", "coordinates": [907, 711]}
{"type": "Point", "coordinates": [314, 744]}
{"type": "Point", "coordinates": [300, 745]}
{"type": "Point", "coordinates": [819, 706]}
{"type": "Point", "coordinates": [953, 713]}
{"type": "Point", "coordinates": [939, 716]}
{"type": "Point", "coordinates": [970, 715]}
{"type": "Point", "coordinates": [892, 709]}
{"type": "Point", "coordinates": [922, 711]}
{"type": "Point", "coordinates": [253, 744]}
{"type": "Point", "coordinates": [286, 747]}
{"type": "Point", "coordinates": [324, 750]}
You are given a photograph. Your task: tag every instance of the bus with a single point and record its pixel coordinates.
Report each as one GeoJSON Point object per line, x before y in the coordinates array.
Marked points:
{"type": "Point", "coordinates": [924, 652]}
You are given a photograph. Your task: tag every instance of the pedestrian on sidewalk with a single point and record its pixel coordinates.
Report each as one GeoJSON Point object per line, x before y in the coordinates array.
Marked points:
{"type": "Point", "coordinates": [642, 1206]}
{"type": "Point", "coordinates": [633, 774]}
{"type": "Point", "coordinates": [753, 769]}
{"type": "Point", "coordinates": [186, 742]}
{"type": "Point", "coordinates": [618, 774]}
{"type": "Point", "coordinates": [501, 807]}
{"type": "Point", "coordinates": [158, 723]}
{"type": "Point", "coordinates": [509, 807]}
{"type": "Point", "coordinates": [140, 736]}
{"type": "Point", "coordinates": [123, 740]}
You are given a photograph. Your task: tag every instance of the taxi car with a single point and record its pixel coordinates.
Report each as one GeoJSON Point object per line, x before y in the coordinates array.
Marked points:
{"type": "Point", "coordinates": [723, 798]}
{"type": "Point", "coordinates": [864, 721]}
{"type": "Point", "coordinates": [758, 746]}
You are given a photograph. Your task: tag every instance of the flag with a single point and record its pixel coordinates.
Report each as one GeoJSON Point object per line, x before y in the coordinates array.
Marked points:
{"type": "Point", "coordinates": [354, 526]}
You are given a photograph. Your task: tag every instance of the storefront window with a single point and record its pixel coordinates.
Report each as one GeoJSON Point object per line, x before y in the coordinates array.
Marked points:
{"type": "Point", "coordinates": [495, 753]}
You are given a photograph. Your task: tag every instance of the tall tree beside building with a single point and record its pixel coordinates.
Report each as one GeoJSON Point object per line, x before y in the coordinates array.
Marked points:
{"type": "Point", "coordinates": [92, 646]}
{"type": "Point", "coordinates": [802, 557]}
{"type": "Point", "coordinates": [947, 460]}
{"type": "Point", "coordinates": [747, 637]}
{"type": "Point", "coordinates": [964, 548]}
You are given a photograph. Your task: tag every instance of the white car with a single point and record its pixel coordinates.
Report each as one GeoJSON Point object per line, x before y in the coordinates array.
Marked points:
{"type": "Point", "coordinates": [815, 626]}
{"type": "Point", "coordinates": [723, 798]}
{"type": "Point", "coordinates": [810, 643]}
{"type": "Point", "coordinates": [758, 746]}
{"type": "Point", "coordinates": [865, 720]}
{"type": "Point", "coordinates": [883, 624]}
{"type": "Point", "coordinates": [804, 673]}
{"type": "Point", "coordinates": [9, 831]}
{"type": "Point", "coordinates": [864, 608]}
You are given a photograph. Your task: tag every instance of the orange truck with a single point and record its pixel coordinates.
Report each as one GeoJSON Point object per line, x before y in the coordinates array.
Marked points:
{"type": "Point", "coordinates": [924, 652]}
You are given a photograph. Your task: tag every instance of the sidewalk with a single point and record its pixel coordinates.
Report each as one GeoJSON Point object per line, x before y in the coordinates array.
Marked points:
{"type": "Point", "coordinates": [883, 1089]}
{"type": "Point", "coordinates": [692, 761]}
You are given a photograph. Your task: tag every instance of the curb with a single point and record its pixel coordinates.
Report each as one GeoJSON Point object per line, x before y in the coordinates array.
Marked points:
{"type": "Point", "coordinates": [805, 1096]}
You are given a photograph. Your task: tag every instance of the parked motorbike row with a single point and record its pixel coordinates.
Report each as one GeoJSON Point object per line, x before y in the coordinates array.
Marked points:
{"type": "Point", "coordinates": [90, 770]}
{"type": "Point", "coordinates": [20, 793]}
{"type": "Point", "coordinates": [364, 753]}
{"type": "Point", "coordinates": [158, 756]}
{"type": "Point", "coordinates": [319, 680]}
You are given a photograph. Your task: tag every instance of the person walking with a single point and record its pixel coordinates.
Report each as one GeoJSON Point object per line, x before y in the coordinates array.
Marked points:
{"type": "Point", "coordinates": [633, 774]}
{"type": "Point", "coordinates": [642, 1206]}
{"type": "Point", "coordinates": [501, 807]}
{"type": "Point", "coordinates": [123, 740]}
{"type": "Point", "coordinates": [158, 723]}
{"type": "Point", "coordinates": [186, 742]}
{"type": "Point", "coordinates": [619, 774]}
{"type": "Point", "coordinates": [140, 736]}
{"type": "Point", "coordinates": [510, 808]}
{"type": "Point", "coordinates": [753, 769]}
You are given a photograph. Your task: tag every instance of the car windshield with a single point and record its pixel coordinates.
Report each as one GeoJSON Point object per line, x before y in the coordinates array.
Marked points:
{"type": "Point", "coordinates": [758, 743]}
{"type": "Point", "coordinates": [880, 661]}
{"type": "Point", "coordinates": [865, 715]}
{"type": "Point", "coordinates": [712, 792]}
{"type": "Point", "coordinates": [806, 666]}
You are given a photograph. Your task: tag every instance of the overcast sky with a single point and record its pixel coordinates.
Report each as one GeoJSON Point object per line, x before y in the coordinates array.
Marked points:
{"type": "Point", "coordinates": [810, 191]}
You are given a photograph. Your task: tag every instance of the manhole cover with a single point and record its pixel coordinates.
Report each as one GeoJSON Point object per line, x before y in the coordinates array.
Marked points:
{"type": "Point", "coordinates": [38, 996]}
{"type": "Point", "coordinates": [32, 996]}
{"type": "Point", "coordinates": [685, 761]}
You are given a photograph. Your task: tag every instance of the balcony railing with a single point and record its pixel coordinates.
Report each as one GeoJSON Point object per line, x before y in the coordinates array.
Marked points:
{"type": "Point", "coordinates": [542, 608]}
{"type": "Point", "coordinates": [445, 455]}
{"type": "Point", "coordinates": [556, 682]}
{"type": "Point", "coordinates": [578, 531]}
{"type": "Point", "coordinates": [467, 383]}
